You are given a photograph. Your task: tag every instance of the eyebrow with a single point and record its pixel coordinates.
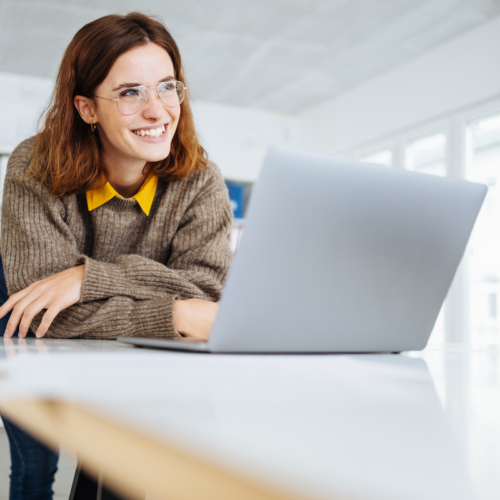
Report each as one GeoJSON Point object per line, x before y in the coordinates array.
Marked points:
{"type": "Point", "coordinates": [128, 84]}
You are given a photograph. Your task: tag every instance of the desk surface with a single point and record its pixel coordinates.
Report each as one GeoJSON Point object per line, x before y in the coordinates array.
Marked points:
{"type": "Point", "coordinates": [418, 426]}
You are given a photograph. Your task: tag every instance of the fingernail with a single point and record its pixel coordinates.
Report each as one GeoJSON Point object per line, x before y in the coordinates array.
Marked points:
{"type": "Point", "coordinates": [6, 333]}
{"type": "Point", "coordinates": [38, 334]}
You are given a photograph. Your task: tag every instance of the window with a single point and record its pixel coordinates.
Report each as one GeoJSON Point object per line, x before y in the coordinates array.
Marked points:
{"type": "Point", "coordinates": [427, 155]}
{"type": "Point", "coordinates": [483, 141]}
{"type": "Point", "coordinates": [382, 157]}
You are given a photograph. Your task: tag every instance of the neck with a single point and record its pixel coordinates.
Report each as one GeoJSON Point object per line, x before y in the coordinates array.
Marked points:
{"type": "Point", "coordinates": [126, 183]}
{"type": "Point", "coordinates": [126, 177]}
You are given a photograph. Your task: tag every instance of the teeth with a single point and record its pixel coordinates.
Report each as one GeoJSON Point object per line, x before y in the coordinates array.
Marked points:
{"type": "Point", "coordinates": [151, 132]}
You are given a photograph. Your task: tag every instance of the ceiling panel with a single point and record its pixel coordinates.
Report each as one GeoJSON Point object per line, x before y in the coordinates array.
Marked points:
{"type": "Point", "coordinates": [281, 55]}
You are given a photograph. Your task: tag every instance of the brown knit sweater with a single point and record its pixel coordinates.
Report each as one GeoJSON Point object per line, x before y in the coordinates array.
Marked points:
{"type": "Point", "coordinates": [135, 265]}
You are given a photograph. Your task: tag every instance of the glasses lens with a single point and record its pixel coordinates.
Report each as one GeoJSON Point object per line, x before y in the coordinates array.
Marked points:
{"type": "Point", "coordinates": [131, 100]}
{"type": "Point", "coordinates": [171, 93]}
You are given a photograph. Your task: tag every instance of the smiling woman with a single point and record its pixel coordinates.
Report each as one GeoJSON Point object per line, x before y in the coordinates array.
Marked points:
{"type": "Point", "coordinates": [109, 58]}
{"type": "Point", "coordinates": [144, 127]}
{"type": "Point", "coordinates": [114, 222]}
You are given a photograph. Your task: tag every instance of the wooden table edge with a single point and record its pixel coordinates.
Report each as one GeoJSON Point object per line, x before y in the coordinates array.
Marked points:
{"type": "Point", "coordinates": [129, 460]}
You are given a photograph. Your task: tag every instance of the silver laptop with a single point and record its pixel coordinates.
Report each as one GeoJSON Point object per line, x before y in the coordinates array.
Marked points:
{"type": "Point", "coordinates": [340, 256]}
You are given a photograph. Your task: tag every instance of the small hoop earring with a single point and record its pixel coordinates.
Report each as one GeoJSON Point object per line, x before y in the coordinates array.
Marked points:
{"type": "Point", "coordinates": [93, 127]}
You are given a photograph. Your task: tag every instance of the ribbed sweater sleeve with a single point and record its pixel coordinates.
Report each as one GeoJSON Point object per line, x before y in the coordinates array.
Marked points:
{"type": "Point", "coordinates": [131, 296]}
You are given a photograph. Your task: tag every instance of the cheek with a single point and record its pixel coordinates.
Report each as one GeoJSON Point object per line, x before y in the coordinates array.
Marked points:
{"type": "Point", "coordinates": [175, 120]}
{"type": "Point", "coordinates": [114, 126]}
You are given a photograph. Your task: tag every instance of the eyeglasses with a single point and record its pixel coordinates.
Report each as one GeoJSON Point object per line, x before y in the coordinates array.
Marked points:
{"type": "Point", "coordinates": [130, 100]}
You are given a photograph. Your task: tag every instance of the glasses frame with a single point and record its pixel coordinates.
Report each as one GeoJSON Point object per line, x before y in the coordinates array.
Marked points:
{"type": "Point", "coordinates": [144, 101]}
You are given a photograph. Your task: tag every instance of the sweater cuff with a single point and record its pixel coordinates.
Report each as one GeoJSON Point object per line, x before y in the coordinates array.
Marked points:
{"type": "Point", "coordinates": [100, 280]}
{"type": "Point", "coordinates": [154, 320]}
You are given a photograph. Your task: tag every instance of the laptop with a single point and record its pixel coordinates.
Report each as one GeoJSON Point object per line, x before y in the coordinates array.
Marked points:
{"type": "Point", "coordinates": [339, 256]}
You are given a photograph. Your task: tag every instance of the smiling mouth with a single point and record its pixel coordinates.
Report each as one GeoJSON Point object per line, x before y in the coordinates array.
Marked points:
{"type": "Point", "coordinates": [150, 132]}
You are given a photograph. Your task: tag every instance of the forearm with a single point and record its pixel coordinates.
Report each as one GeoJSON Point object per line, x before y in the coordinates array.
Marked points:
{"type": "Point", "coordinates": [141, 278]}
{"type": "Point", "coordinates": [118, 316]}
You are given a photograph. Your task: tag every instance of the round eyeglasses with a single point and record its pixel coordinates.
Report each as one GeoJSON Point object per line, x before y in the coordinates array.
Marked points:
{"type": "Point", "coordinates": [130, 100]}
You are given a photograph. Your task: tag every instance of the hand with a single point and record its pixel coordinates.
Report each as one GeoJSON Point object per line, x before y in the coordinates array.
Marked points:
{"type": "Point", "coordinates": [195, 318]}
{"type": "Point", "coordinates": [54, 294]}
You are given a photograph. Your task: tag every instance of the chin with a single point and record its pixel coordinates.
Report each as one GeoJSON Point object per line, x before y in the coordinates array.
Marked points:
{"type": "Point", "coordinates": [153, 156]}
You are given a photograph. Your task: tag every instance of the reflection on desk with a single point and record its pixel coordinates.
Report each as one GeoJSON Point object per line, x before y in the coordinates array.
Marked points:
{"type": "Point", "coordinates": [12, 347]}
{"type": "Point", "coordinates": [328, 426]}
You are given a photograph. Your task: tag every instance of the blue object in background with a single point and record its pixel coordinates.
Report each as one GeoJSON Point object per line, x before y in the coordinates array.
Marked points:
{"type": "Point", "coordinates": [237, 197]}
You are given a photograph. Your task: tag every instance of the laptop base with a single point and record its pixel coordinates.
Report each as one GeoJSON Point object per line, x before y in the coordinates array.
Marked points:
{"type": "Point", "coordinates": [174, 344]}
{"type": "Point", "coordinates": [191, 345]}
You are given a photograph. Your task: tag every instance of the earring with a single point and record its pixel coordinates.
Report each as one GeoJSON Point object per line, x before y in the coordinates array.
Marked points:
{"type": "Point", "coordinates": [93, 126]}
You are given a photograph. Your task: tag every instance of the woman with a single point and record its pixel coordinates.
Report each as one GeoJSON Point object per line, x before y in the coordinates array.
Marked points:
{"type": "Point", "coordinates": [113, 220]}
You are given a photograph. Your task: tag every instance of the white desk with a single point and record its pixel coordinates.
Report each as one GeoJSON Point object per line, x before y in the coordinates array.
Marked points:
{"type": "Point", "coordinates": [215, 427]}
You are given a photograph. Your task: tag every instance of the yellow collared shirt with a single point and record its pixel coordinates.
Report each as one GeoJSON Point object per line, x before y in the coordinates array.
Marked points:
{"type": "Point", "coordinates": [145, 195]}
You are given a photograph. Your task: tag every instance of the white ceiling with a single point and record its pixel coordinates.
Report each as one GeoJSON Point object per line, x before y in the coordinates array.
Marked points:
{"type": "Point", "coordinates": [273, 54]}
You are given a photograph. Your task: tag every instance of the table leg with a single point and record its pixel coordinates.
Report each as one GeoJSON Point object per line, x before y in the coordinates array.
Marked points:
{"type": "Point", "coordinates": [86, 487]}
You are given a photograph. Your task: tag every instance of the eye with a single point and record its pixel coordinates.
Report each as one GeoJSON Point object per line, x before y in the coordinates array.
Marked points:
{"type": "Point", "coordinates": [129, 93]}
{"type": "Point", "coordinates": [167, 86]}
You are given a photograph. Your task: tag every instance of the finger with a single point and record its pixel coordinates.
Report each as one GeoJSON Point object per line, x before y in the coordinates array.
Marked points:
{"type": "Point", "coordinates": [6, 307]}
{"type": "Point", "coordinates": [15, 298]}
{"type": "Point", "coordinates": [11, 302]}
{"type": "Point", "coordinates": [47, 320]}
{"type": "Point", "coordinates": [19, 308]}
{"type": "Point", "coordinates": [14, 319]}
{"type": "Point", "coordinates": [30, 312]}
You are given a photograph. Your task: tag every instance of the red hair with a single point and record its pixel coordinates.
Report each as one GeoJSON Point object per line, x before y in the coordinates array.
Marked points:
{"type": "Point", "coordinates": [67, 155]}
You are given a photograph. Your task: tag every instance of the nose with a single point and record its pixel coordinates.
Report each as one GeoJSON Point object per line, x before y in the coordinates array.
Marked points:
{"type": "Point", "coordinates": [153, 107]}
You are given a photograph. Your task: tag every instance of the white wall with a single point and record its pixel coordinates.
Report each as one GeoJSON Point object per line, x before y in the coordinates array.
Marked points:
{"type": "Point", "coordinates": [23, 98]}
{"type": "Point", "coordinates": [457, 74]}
{"type": "Point", "coordinates": [238, 138]}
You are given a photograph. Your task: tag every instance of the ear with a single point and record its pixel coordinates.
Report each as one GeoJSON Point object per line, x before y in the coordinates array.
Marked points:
{"type": "Point", "coordinates": [86, 107]}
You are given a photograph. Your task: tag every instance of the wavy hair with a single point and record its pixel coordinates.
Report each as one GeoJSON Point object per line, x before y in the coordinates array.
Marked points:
{"type": "Point", "coordinates": [67, 156]}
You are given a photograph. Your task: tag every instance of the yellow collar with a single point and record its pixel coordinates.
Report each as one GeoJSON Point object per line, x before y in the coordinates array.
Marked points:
{"type": "Point", "coordinates": [145, 195]}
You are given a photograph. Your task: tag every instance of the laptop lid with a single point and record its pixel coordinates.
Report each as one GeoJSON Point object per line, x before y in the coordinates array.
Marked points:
{"type": "Point", "coordinates": [343, 256]}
